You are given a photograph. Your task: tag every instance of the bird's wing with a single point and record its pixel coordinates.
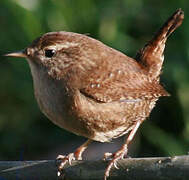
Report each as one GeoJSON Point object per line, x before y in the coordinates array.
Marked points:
{"type": "Point", "coordinates": [124, 81]}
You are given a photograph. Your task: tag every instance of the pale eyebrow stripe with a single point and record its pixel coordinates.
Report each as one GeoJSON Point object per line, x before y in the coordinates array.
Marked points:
{"type": "Point", "coordinates": [60, 46]}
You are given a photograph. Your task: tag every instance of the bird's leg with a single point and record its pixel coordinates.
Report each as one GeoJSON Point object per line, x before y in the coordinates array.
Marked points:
{"type": "Point", "coordinates": [77, 155]}
{"type": "Point", "coordinates": [122, 151]}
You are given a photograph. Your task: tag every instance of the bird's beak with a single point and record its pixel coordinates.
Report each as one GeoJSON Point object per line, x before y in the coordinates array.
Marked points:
{"type": "Point", "coordinates": [21, 53]}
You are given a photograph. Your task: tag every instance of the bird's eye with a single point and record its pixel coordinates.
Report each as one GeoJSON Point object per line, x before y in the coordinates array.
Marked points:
{"type": "Point", "coordinates": [49, 53]}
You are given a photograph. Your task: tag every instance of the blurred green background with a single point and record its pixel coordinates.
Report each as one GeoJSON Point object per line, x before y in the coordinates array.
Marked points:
{"type": "Point", "coordinates": [126, 25]}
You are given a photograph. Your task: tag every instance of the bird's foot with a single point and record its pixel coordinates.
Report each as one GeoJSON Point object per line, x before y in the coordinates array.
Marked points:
{"type": "Point", "coordinates": [77, 155]}
{"type": "Point", "coordinates": [64, 160]}
{"type": "Point", "coordinates": [113, 162]}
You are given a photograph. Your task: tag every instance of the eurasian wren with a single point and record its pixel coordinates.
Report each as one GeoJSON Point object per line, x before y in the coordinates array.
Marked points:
{"type": "Point", "coordinates": [93, 90]}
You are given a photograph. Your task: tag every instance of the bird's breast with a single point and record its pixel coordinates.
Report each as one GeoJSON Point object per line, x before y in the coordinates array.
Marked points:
{"type": "Point", "coordinates": [54, 101]}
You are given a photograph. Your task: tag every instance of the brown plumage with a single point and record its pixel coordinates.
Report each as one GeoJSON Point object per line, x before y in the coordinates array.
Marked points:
{"type": "Point", "coordinates": [93, 90]}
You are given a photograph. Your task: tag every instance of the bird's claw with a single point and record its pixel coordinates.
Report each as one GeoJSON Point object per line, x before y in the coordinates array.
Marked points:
{"type": "Point", "coordinates": [114, 158]}
{"type": "Point", "coordinates": [113, 163]}
{"type": "Point", "coordinates": [64, 159]}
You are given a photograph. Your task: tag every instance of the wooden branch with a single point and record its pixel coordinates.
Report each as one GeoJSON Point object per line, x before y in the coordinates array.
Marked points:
{"type": "Point", "coordinates": [160, 168]}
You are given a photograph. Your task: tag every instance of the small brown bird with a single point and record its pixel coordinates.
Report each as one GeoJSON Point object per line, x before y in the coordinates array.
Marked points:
{"type": "Point", "coordinates": [93, 90]}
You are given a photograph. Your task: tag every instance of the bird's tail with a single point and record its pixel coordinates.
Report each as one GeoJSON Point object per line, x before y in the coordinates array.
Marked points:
{"type": "Point", "coordinates": [151, 56]}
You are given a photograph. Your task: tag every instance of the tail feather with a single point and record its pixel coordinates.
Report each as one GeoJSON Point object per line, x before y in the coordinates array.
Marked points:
{"type": "Point", "coordinates": [151, 56]}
